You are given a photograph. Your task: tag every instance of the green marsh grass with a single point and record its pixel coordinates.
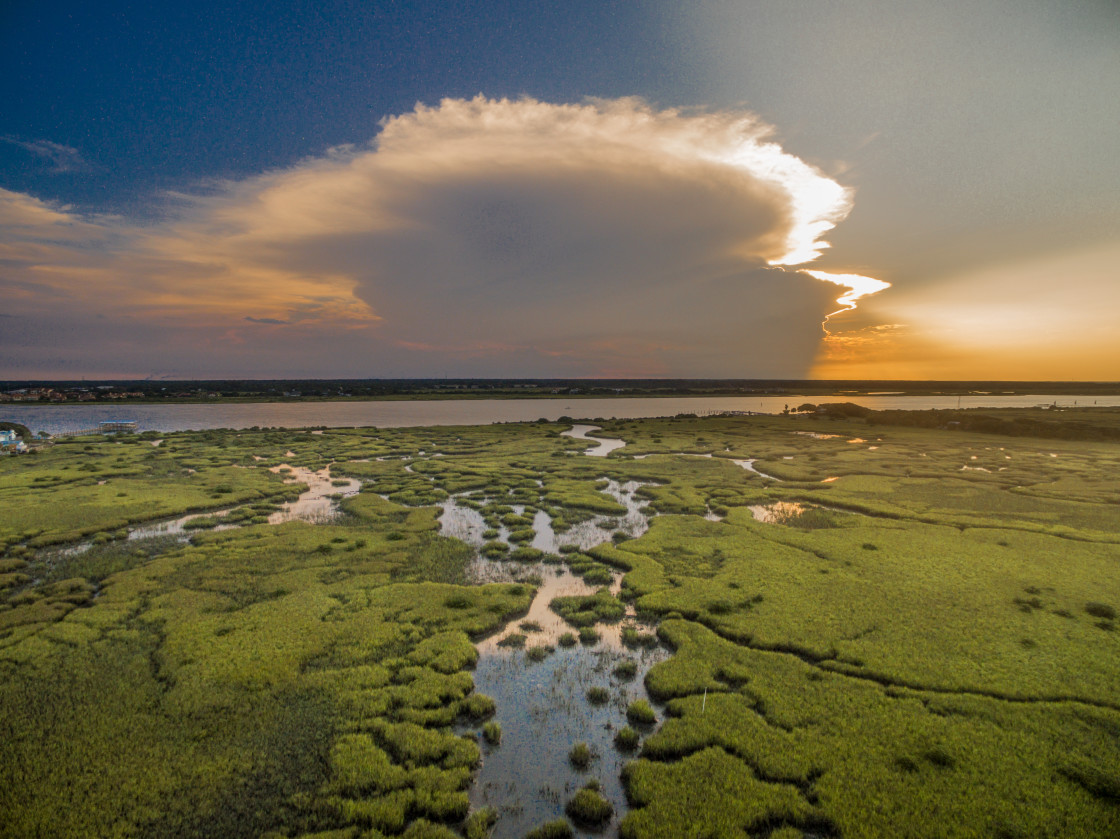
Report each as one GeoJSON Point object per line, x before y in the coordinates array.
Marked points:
{"type": "Point", "coordinates": [492, 731]}
{"type": "Point", "coordinates": [627, 739]}
{"type": "Point", "coordinates": [625, 669]}
{"type": "Point", "coordinates": [580, 756]}
{"type": "Point", "coordinates": [480, 823]}
{"type": "Point", "coordinates": [588, 610]}
{"type": "Point", "coordinates": [538, 653]}
{"type": "Point", "coordinates": [588, 807]}
{"type": "Point", "coordinates": [558, 829]}
{"type": "Point", "coordinates": [598, 695]}
{"type": "Point", "coordinates": [639, 712]}
{"type": "Point", "coordinates": [941, 646]}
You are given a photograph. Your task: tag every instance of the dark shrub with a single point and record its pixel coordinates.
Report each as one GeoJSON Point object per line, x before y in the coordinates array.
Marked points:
{"type": "Point", "coordinates": [1101, 610]}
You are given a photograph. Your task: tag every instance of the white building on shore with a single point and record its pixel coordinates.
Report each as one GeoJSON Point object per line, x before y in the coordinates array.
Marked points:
{"type": "Point", "coordinates": [10, 442]}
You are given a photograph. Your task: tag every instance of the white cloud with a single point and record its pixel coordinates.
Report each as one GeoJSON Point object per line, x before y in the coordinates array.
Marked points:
{"type": "Point", "coordinates": [480, 237]}
{"type": "Point", "coordinates": [60, 158]}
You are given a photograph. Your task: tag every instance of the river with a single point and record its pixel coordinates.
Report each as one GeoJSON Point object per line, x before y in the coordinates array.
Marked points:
{"type": "Point", "coordinates": [55, 419]}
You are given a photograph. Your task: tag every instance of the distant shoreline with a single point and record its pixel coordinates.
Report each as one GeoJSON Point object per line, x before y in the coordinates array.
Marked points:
{"type": "Point", "coordinates": [219, 392]}
{"type": "Point", "coordinates": [164, 417]}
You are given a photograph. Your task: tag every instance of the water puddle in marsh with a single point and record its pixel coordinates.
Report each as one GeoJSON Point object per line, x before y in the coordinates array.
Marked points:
{"type": "Point", "coordinates": [181, 526]}
{"type": "Point", "coordinates": [797, 514]}
{"type": "Point", "coordinates": [543, 710]}
{"type": "Point", "coordinates": [542, 627]}
{"type": "Point", "coordinates": [468, 524]}
{"type": "Point", "coordinates": [749, 466]}
{"type": "Point", "coordinates": [604, 445]}
{"type": "Point", "coordinates": [541, 687]}
{"type": "Point", "coordinates": [318, 503]}
{"type": "Point", "coordinates": [462, 523]}
{"type": "Point", "coordinates": [780, 512]}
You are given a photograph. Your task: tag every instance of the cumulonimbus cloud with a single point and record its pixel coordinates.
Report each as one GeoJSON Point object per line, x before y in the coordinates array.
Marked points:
{"type": "Point", "coordinates": [521, 237]}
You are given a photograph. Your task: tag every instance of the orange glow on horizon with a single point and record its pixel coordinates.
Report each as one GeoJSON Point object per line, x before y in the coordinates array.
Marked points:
{"type": "Point", "coordinates": [1049, 317]}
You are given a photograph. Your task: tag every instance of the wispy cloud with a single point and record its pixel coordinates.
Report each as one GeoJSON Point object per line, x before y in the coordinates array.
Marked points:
{"type": "Point", "coordinates": [59, 158]}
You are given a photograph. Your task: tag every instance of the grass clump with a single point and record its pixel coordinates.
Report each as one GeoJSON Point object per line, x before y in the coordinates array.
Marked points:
{"type": "Point", "coordinates": [580, 755]}
{"type": "Point", "coordinates": [588, 636]}
{"type": "Point", "coordinates": [588, 807]}
{"type": "Point", "coordinates": [558, 829]}
{"type": "Point", "coordinates": [626, 739]}
{"type": "Point", "coordinates": [478, 706]}
{"type": "Point", "coordinates": [598, 695]}
{"type": "Point", "coordinates": [597, 576]}
{"type": "Point", "coordinates": [480, 823]}
{"type": "Point", "coordinates": [538, 653]}
{"type": "Point", "coordinates": [568, 639]}
{"type": "Point", "coordinates": [492, 732]}
{"type": "Point", "coordinates": [588, 610]}
{"type": "Point", "coordinates": [633, 638]}
{"type": "Point", "coordinates": [640, 712]}
{"type": "Point", "coordinates": [495, 550]}
{"type": "Point", "coordinates": [515, 640]}
{"type": "Point", "coordinates": [626, 669]}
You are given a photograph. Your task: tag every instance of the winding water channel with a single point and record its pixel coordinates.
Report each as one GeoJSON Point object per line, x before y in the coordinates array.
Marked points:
{"type": "Point", "coordinates": [603, 445]}
{"type": "Point", "coordinates": [543, 707]}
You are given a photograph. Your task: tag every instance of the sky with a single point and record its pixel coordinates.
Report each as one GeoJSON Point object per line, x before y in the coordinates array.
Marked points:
{"type": "Point", "coordinates": [753, 189]}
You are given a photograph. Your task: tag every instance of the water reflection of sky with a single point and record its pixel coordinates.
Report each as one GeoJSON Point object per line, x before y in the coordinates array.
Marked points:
{"type": "Point", "coordinates": [544, 711]}
{"type": "Point", "coordinates": [542, 706]}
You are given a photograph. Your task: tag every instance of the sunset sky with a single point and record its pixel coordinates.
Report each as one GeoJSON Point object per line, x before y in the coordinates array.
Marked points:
{"type": "Point", "coordinates": [796, 189]}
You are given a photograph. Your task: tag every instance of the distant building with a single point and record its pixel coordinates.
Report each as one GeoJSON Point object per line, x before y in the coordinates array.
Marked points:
{"type": "Point", "coordinates": [11, 442]}
{"type": "Point", "coordinates": [25, 394]}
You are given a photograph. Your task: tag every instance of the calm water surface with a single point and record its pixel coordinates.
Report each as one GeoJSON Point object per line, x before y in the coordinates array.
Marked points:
{"type": "Point", "coordinates": [542, 705]}
{"type": "Point", "coordinates": [58, 418]}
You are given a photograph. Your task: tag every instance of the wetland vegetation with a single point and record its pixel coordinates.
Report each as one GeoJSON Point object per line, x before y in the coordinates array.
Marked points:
{"type": "Point", "coordinates": [501, 636]}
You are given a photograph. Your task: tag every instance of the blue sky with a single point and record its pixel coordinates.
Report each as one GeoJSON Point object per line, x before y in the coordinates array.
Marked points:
{"type": "Point", "coordinates": [162, 95]}
{"type": "Point", "coordinates": [975, 143]}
